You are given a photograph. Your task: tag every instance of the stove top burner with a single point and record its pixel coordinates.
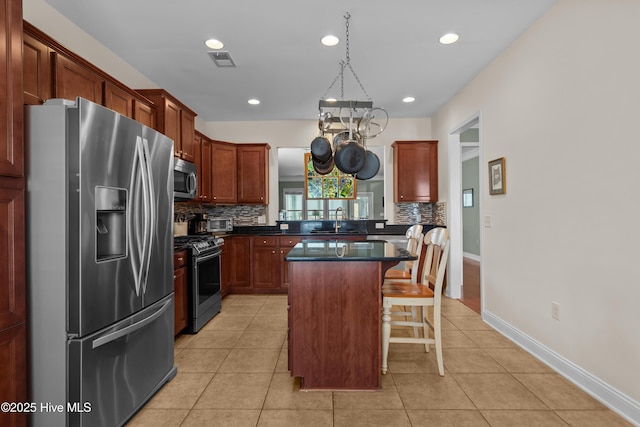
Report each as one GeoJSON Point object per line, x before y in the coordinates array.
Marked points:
{"type": "Point", "coordinates": [200, 244]}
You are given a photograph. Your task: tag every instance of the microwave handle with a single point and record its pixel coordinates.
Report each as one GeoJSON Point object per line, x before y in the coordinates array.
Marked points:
{"type": "Point", "coordinates": [192, 183]}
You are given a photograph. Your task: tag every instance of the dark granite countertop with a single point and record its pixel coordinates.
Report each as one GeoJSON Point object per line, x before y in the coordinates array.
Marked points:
{"type": "Point", "coordinates": [326, 228]}
{"type": "Point", "coordinates": [368, 250]}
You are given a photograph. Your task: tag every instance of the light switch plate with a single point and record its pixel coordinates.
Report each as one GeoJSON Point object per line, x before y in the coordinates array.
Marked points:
{"type": "Point", "coordinates": [284, 226]}
{"type": "Point", "coordinates": [487, 221]}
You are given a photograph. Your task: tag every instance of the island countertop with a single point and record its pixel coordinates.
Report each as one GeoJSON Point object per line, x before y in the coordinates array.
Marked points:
{"type": "Point", "coordinates": [344, 250]}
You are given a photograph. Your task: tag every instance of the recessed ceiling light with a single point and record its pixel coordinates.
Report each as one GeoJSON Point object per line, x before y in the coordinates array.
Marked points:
{"type": "Point", "coordinates": [214, 44]}
{"type": "Point", "coordinates": [331, 100]}
{"type": "Point", "coordinates": [449, 38]}
{"type": "Point", "coordinates": [330, 40]}
{"type": "Point", "coordinates": [408, 99]}
{"type": "Point", "coordinates": [254, 101]}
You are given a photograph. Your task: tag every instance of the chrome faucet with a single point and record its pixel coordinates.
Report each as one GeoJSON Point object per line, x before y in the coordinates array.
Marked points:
{"type": "Point", "coordinates": [339, 224]}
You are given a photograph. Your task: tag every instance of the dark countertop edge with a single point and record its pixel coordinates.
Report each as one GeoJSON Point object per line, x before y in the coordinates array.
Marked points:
{"type": "Point", "coordinates": [357, 259]}
{"type": "Point", "coordinates": [401, 255]}
{"type": "Point", "coordinates": [271, 230]}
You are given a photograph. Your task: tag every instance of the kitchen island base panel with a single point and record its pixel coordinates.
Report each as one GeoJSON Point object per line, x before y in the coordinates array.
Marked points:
{"type": "Point", "coordinates": [334, 324]}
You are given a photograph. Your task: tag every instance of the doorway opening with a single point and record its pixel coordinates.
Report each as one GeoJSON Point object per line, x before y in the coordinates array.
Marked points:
{"type": "Point", "coordinates": [465, 199]}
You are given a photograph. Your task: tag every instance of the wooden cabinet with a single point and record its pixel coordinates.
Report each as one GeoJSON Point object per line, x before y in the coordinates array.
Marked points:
{"type": "Point", "coordinates": [13, 379]}
{"type": "Point", "coordinates": [225, 266]}
{"type": "Point", "coordinates": [118, 99]}
{"type": "Point", "coordinates": [145, 113]}
{"type": "Point", "coordinates": [72, 80]}
{"type": "Point", "coordinates": [415, 171]}
{"type": "Point", "coordinates": [13, 350]}
{"type": "Point", "coordinates": [202, 153]}
{"type": "Point", "coordinates": [37, 76]}
{"type": "Point", "coordinates": [239, 254]}
{"type": "Point", "coordinates": [269, 270]}
{"type": "Point", "coordinates": [175, 120]}
{"type": "Point", "coordinates": [181, 292]}
{"type": "Point", "coordinates": [265, 263]}
{"type": "Point", "coordinates": [285, 245]}
{"type": "Point", "coordinates": [224, 185]}
{"type": "Point", "coordinates": [50, 70]}
{"type": "Point", "coordinates": [253, 173]}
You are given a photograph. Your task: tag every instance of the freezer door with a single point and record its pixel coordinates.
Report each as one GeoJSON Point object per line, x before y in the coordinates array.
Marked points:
{"type": "Point", "coordinates": [159, 280]}
{"type": "Point", "coordinates": [114, 372]}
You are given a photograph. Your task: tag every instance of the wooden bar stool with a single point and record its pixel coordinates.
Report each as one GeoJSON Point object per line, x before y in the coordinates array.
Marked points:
{"type": "Point", "coordinates": [427, 292]}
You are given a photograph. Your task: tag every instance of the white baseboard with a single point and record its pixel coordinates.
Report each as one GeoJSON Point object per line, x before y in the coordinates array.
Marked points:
{"type": "Point", "coordinates": [471, 256]}
{"type": "Point", "coordinates": [598, 389]}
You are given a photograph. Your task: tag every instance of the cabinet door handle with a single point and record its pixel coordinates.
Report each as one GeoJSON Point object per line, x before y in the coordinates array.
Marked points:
{"type": "Point", "coordinates": [264, 241]}
{"type": "Point", "coordinates": [273, 252]}
{"type": "Point", "coordinates": [180, 259]}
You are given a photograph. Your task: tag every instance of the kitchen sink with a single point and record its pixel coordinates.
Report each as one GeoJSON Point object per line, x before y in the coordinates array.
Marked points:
{"type": "Point", "coordinates": [333, 232]}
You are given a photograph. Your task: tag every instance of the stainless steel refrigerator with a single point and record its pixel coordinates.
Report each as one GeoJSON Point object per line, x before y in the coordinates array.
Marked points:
{"type": "Point", "coordinates": [100, 263]}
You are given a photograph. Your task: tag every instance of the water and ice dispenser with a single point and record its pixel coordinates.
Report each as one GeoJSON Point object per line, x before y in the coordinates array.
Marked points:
{"type": "Point", "coordinates": [111, 223]}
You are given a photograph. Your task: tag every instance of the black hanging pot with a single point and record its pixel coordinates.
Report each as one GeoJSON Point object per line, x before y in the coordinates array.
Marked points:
{"type": "Point", "coordinates": [323, 168]}
{"type": "Point", "coordinates": [350, 156]}
{"type": "Point", "coordinates": [371, 167]}
{"type": "Point", "coordinates": [321, 149]}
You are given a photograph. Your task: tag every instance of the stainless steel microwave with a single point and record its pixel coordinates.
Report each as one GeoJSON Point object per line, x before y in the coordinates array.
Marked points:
{"type": "Point", "coordinates": [219, 225]}
{"type": "Point", "coordinates": [185, 182]}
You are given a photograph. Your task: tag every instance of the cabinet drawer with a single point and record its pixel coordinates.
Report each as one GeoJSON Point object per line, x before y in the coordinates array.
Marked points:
{"type": "Point", "coordinates": [261, 241]}
{"type": "Point", "coordinates": [179, 259]}
{"type": "Point", "coordinates": [289, 242]}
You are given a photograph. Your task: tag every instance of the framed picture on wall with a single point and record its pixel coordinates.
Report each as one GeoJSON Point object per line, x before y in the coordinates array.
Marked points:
{"type": "Point", "coordinates": [497, 177]}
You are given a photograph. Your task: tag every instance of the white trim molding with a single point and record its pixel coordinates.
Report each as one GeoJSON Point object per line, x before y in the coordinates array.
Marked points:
{"type": "Point", "coordinates": [594, 386]}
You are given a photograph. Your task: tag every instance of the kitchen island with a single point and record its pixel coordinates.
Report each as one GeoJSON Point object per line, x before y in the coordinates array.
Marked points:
{"type": "Point", "coordinates": [334, 312]}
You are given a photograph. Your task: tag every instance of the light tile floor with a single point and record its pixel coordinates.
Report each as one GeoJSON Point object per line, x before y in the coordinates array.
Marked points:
{"type": "Point", "coordinates": [234, 373]}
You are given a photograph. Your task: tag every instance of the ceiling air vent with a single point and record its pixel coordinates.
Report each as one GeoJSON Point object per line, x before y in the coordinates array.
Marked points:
{"type": "Point", "coordinates": [222, 59]}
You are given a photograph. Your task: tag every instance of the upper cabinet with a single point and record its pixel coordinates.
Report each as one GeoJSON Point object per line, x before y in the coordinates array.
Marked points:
{"type": "Point", "coordinates": [117, 99]}
{"type": "Point", "coordinates": [11, 110]}
{"type": "Point", "coordinates": [175, 120]}
{"type": "Point", "coordinates": [52, 71]}
{"type": "Point", "coordinates": [415, 171]}
{"type": "Point", "coordinates": [253, 173]}
{"type": "Point", "coordinates": [37, 71]}
{"type": "Point", "coordinates": [224, 184]}
{"type": "Point", "coordinates": [73, 80]}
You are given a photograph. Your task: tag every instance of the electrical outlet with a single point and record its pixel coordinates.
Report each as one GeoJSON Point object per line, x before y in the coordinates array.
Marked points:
{"type": "Point", "coordinates": [555, 310]}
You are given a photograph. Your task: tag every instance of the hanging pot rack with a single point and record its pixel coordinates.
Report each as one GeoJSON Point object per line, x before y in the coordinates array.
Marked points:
{"type": "Point", "coordinates": [357, 119]}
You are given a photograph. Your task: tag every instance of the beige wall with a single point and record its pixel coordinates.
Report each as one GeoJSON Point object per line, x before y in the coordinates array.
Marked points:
{"type": "Point", "coordinates": [559, 104]}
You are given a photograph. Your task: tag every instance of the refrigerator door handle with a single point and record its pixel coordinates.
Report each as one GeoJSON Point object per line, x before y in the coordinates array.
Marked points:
{"type": "Point", "coordinates": [151, 223]}
{"type": "Point", "coordinates": [131, 328]}
{"type": "Point", "coordinates": [132, 217]}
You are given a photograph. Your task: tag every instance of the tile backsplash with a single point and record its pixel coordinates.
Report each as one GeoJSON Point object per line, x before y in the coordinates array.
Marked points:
{"type": "Point", "coordinates": [241, 214]}
{"type": "Point", "coordinates": [426, 213]}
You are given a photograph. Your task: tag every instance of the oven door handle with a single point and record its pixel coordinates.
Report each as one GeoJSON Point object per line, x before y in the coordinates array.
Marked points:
{"type": "Point", "coordinates": [208, 257]}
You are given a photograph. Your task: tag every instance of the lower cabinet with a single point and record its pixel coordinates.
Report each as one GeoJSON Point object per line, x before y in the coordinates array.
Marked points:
{"type": "Point", "coordinates": [181, 302]}
{"type": "Point", "coordinates": [13, 378]}
{"type": "Point", "coordinates": [257, 263]}
{"type": "Point", "coordinates": [239, 254]}
{"type": "Point", "coordinates": [265, 263]}
{"type": "Point", "coordinates": [225, 266]}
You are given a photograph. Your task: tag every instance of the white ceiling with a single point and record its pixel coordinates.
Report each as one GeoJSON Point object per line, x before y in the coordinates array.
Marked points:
{"type": "Point", "coordinates": [276, 46]}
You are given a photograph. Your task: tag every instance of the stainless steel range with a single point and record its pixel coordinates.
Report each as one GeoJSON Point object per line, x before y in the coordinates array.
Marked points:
{"type": "Point", "coordinates": [205, 297]}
